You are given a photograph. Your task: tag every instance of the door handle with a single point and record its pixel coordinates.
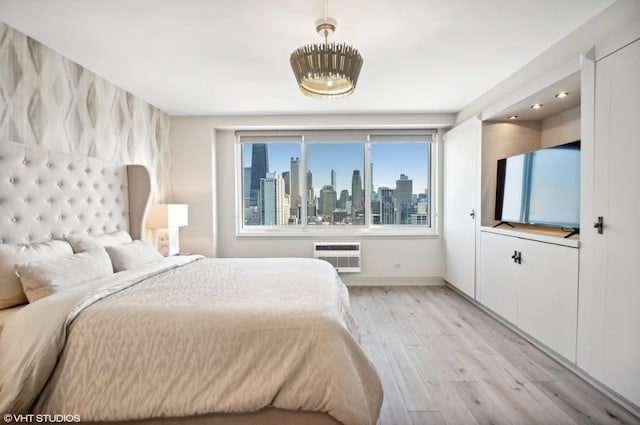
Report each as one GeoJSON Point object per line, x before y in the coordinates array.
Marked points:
{"type": "Point", "coordinates": [599, 225]}
{"type": "Point", "coordinates": [472, 214]}
{"type": "Point", "coordinates": [517, 257]}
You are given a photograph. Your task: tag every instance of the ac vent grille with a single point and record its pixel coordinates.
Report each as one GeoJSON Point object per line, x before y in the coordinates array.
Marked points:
{"type": "Point", "coordinates": [344, 256]}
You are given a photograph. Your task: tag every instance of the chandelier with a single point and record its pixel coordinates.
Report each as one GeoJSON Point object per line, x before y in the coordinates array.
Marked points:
{"type": "Point", "coordinates": [326, 70]}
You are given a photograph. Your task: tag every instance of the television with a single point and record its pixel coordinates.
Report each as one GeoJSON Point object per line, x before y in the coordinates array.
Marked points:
{"type": "Point", "coordinates": [540, 187]}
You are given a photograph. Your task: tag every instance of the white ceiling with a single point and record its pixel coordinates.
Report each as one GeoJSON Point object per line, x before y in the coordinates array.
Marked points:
{"type": "Point", "coordinates": [212, 57]}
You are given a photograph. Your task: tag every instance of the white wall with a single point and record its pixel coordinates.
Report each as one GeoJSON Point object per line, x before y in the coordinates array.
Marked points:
{"type": "Point", "coordinates": [560, 128]}
{"type": "Point", "coordinates": [500, 140]}
{"type": "Point", "coordinates": [203, 176]}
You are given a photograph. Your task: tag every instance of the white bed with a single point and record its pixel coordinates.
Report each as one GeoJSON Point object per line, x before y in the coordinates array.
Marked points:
{"type": "Point", "coordinates": [6, 313]}
{"type": "Point", "coordinates": [219, 341]}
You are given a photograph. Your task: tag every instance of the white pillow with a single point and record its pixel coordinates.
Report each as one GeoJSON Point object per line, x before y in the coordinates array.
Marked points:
{"type": "Point", "coordinates": [43, 278]}
{"type": "Point", "coordinates": [82, 243]}
{"type": "Point", "coordinates": [129, 255]}
{"type": "Point", "coordinates": [11, 292]}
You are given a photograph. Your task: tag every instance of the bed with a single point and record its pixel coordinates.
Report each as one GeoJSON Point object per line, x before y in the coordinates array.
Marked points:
{"type": "Point", "coordinates": [166, 340]}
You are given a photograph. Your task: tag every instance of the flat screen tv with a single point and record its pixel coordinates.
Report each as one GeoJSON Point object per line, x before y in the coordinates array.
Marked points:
{"type": "Point", "coordinates": [540, 187]}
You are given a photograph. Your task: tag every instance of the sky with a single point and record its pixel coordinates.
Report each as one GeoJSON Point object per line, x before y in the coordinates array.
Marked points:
{"type": "Point", "coordinates": [389, 161]}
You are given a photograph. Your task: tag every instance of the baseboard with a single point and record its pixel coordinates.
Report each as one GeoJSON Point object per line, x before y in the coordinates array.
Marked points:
{"type": "Point", "coordinates": [572, 367]}
{"type": "Point", "coordinates": [360, 280]}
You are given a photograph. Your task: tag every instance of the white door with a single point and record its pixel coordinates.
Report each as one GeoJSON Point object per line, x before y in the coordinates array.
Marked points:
{"type": "Point", "coordinates": [461, 212]}
{"type": "Point", "coordinates": [548, 295]}
{"type": "Point", "coordinates": [617, 200]}
{"type": "Point", "coordinates": [498, 278]}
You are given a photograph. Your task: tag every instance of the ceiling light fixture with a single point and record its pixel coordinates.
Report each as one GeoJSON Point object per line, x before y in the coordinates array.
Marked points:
{"type": "Point", "coordinates": [537, 106]}
{"type": "Point", "coordinates": [326, 70]}
{"type": "Point", "coordinates": [562, 94]}
{"type": "Point", "coordinates": [512, 117]}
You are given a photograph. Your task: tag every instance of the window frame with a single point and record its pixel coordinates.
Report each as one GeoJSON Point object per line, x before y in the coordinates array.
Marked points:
{"type": "Point", "coordinates": [303, 230]}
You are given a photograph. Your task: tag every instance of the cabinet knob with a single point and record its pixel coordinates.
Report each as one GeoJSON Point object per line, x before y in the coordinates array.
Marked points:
{"type": "Point", "coordinates": [599, 225]}
{"type": "Point", "coordinates": [472, 214]}
{"type": "Point", "coordinates": [517, 257]}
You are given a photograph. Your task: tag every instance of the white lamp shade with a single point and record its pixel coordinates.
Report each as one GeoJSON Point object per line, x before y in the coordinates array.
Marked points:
{"type": "Point", "coordinates": [166, 216]}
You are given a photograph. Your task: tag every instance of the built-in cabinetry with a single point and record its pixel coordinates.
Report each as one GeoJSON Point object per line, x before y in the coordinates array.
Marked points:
{"type": "Point", "coordinates": [461, 188]}
{"type": "Point", "coordinates": [578, 298]}
{"type": "Point", "coordinates": [532, 281]}
{"type": "Point", "coordinates": [609, 321]}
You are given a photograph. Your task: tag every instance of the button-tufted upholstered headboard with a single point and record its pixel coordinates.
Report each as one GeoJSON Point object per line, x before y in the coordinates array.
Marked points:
{"type": "Point", "coordinates": [46, 195]}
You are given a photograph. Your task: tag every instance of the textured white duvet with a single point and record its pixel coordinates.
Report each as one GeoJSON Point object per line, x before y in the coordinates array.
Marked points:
{"type": "Point", "coordinates": [214, 335]}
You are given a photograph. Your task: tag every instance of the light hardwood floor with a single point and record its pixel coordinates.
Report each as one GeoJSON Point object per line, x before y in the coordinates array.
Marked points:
{"type": "Point", "coordinates": [444, 361]}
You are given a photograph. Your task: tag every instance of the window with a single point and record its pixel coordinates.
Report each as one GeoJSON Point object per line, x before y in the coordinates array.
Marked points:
{"type": "Point", "coordinates": [324, 181]}
{"type": "Point", "coordinates": [335, 181]}
{"type": "Point", "coordinates": [270, 193]}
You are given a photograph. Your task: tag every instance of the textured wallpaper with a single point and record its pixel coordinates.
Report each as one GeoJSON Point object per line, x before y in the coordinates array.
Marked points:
{"type": "Point", "coordinates": [50, 101]}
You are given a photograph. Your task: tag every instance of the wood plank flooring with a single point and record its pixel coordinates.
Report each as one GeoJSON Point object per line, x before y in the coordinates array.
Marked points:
{"type": "Point", "coordinates": [443, 361]}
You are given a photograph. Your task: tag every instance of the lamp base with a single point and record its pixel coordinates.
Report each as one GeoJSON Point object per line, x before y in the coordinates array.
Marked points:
{"type": "Point", "coordinates": [167, 241]}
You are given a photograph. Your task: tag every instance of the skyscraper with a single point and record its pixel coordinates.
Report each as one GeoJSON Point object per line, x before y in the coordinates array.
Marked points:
{"type": "Point", "coordinates": [246, 187]}
{"type": "Point", "coordinates": [259, 170]}
{"type": "Point", "coordinates": [295, 186]}
{"type": "Point", "coordinates": [311, 201]}
{"type": "Point", "coordinates": [327, 202]}
{"type": "Point", "coordinates": [286, 176]}
{"type": "Point", "coordinates": [344, 197]}
{"type": "Point", "coordinates": [272, 201]}
{"type": "Point", "coordinates": [387, 213]}
{"type": "Point", "coordinates": [357, 201]}
{"type": "Point", "coordinates": [404, 196]}
{"type": "Point", "coordinates": [333, 179]}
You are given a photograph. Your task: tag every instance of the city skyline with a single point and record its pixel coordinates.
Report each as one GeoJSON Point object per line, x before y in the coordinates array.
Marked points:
{"type": "Point", "coordinates": [389, 160]}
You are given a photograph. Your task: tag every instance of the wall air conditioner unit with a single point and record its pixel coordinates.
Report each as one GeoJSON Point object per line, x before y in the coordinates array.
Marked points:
{"type": "Point", "coordinates": [344, 256]}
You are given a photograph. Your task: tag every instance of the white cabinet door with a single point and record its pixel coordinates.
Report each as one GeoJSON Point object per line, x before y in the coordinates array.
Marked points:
{"type": "Point", "coordinates": [461, 189]}
{"type": "Point", "coordinates": [615, 346]}
{"type": "Point", "coordinates": [497, 283]}
{"type": "Point", "coordinates": [548, 295]}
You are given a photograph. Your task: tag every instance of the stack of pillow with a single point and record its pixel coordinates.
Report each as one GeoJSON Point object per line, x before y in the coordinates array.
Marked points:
{"type": "Point", "coordinates": [29, 272]}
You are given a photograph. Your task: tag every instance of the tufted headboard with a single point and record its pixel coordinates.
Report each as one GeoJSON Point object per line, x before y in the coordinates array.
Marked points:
{"type": "Point", "coordinates": [46, 195]}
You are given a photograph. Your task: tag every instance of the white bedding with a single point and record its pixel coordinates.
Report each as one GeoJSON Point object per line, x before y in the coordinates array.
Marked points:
{"type": "Point", "coordinates": [214, 335]}
{"type": "Point", "coordinates": [6, 313]}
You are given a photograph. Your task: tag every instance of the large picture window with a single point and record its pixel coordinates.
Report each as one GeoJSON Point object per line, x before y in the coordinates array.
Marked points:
{"type": "Point", "coordinates": [300, 182]}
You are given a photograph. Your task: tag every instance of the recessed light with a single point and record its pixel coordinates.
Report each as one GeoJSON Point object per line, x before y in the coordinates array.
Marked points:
{"type": "Point", "coordinates": [562, 94]}
{"type": "Point", "coordinates": [537, 106]}
{"type": "Point", "coordinates": [512, 117]}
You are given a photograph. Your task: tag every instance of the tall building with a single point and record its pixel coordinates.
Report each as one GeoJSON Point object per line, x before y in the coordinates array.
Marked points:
{"type": "Point", "coordinates": [286, 176]}
{"type": "Point", "coordinates": [259, 170]}
{"type": "Point", "coordinates": [272, 201]}
{"type": "Point", "coordinates": [375, 211]}
{"type": "Point", "coordinates": [404, 198]}
{"type": "Point", "coordinates": [327, 202]}
{"type": "Point", "coordinates": [310, 192]}
{"type": "Point", "coordinates": [295, 186]}
{"type": "Point", "coordinates": [357, 199]}
{"type": "Point", "coordinates": [246, 187]}
{"type": "Point", "coordinates": [344, 198]}
{"type": "Point", "coordinates": [387, 208]}
{"type": "Point", "coordinates": [333, 179]}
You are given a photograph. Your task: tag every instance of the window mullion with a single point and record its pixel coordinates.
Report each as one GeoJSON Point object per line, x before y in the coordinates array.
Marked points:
{"type": "Point", "coordinates": [302, 178]}
{"type": "Point", "coordinates": [367, 183]}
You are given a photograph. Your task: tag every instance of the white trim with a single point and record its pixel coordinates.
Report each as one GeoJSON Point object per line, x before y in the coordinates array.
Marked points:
{"type": "Point", "coordinates": [360, 280]}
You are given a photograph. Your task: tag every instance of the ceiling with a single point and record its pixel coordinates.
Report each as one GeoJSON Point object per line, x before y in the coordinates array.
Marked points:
{"type": "Point", "coordinates": [224, 57]}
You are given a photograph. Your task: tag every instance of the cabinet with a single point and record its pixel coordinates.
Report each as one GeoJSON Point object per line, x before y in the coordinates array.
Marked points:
{"type": "Point", "coordinates": [532, 284]}
{"type": "Point", "coordinates": [609, 323]}
{"type": "Point", "coordinates": [461, 213]}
